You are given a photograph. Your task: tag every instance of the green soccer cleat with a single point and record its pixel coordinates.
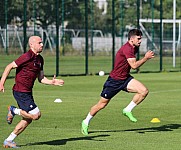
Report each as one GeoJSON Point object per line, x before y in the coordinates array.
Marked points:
{"type": "Point", "coordinates": [129, 115]}
{"type": "Point", "coordinates": [84, 128]}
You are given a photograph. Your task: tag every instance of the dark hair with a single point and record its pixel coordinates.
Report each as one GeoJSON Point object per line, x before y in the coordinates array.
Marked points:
{"type": "Point", "coordinates": [134, 32]}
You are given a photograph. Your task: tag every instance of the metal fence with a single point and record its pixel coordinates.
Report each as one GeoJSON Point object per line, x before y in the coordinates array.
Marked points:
{"type": "Point", "coordinates": [82, 37]}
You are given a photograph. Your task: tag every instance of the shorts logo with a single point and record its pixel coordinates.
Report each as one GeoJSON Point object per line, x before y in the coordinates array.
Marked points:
{"type": "Point", "coordinates": [31, 106]}
{"type": "Point", "coordinates": [105, 95]}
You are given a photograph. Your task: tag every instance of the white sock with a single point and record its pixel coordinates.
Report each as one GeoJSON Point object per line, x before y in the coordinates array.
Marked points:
{"type": "Point", "coordinates": [88, 118]}
{"type": "Point", "coordinates": [130, 106]}
{"type": "Point", "coordinates": [17, 111]}
{"type": "Point", "coordinates": [11, 137]}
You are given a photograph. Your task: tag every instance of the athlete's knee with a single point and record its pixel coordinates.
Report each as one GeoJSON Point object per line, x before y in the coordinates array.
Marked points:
{"type": "Point", "coordinates": [36, 116]}
{"type": "Point", "coordinates": [144, 92]}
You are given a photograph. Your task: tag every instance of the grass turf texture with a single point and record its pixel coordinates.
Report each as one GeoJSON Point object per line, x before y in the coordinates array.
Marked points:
{"type": "Point", "coordinates": [74, 65]}
{"type": "Point", "coordinates": [59, 126]}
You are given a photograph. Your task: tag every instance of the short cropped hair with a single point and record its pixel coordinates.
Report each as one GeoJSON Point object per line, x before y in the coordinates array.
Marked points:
{"type": "Point", "coordinates": [134, 32]}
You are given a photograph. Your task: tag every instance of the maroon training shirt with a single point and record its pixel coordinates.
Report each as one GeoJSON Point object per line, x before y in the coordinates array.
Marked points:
{"type": "Point", "coordinates": [121, 67]}
{"type": "Point", "coordinates": [29, 66]}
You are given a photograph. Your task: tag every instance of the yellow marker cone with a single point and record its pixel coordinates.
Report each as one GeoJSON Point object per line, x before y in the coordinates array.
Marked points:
{"type": "Point", "coordinates": [155, 120]}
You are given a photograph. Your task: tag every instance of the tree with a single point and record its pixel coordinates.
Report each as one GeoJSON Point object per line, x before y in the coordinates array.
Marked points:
{"type": "Point", "coordinates": [43, 12]}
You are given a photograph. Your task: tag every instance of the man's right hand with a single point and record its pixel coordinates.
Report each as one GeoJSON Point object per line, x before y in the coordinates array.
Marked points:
{"type": "Point", "coordinates": [149, 54]}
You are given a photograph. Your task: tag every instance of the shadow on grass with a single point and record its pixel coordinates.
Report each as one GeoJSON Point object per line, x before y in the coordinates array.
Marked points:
{"type": "Point", "coordinates": [163, 128]}
{"type": "Point", "coordinates": [64, 141]}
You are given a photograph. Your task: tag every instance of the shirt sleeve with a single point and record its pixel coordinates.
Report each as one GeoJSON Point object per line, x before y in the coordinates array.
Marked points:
{"type": "Point", "coordinates": [42, 63]}
{"type": "Point", "coordinates": [22, 59]}
{"type": "Point", "coordinates": [129, 53]}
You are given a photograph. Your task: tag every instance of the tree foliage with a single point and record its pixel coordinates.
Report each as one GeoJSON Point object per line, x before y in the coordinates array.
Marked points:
{"type": "Point", "coordinates": [43, 13]}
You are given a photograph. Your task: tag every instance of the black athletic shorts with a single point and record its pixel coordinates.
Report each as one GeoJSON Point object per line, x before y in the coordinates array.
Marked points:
{"type": "Point", "coordinates": [112, 87]}
{"type": "Point", "coordinates": [25, 100]}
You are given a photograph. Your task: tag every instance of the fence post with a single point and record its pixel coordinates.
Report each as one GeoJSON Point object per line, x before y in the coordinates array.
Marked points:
{"type": "Point", "coordinates": [92, 27]}
{"type": "Point", "coordinates": [121, 17]}
{"type": "Point", "coordinates": [86, 37]}
{"type": "Point", "coordinates": [6, 23]}
{"type": "Point", "coordinates": [62, 29]}
{"type": "Point", "coordinates": [113, 33]}
{"type": "Point", "coordinates": [152, 8]}
{"type": "Point", "coordinates": [138, 23]}
{"type": "Point", "coordinates": [24, 26]}
{"type": "Point", "coordinates": [57, 37]}
{"type": "Point", "coordinates": [34, 16]}
{"type": "Point", "coordinates": [161, 16]}
{"type": "Point", "coordinates": [138, 27]}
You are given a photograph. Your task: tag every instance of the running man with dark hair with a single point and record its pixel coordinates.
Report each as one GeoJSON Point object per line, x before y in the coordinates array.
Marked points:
{"type": "Point", "coordinates": [120, 79]}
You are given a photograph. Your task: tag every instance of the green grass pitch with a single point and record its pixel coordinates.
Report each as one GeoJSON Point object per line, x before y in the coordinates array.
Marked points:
{"type": "Point", "coordinates": [59, 126]}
